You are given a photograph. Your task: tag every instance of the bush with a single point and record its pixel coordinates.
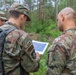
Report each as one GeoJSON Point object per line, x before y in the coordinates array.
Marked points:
{"type": "Point", "coordinates": [48, 28]}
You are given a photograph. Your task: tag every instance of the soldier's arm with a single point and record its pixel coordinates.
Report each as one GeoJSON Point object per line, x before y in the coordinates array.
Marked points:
{"type": "Point", "coordinates": [29, 61]}
{"type": "Point", "coordinates": [56, 59]}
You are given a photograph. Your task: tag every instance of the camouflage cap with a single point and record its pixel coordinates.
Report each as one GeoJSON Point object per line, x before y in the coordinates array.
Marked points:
{"type": "Point", "coordinates": [2, 16]}
{"type": "Point", "coordinates": [20, 8]}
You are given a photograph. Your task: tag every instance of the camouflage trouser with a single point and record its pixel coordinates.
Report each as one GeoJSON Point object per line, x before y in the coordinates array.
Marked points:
{"type": "Point", "coordinates": [23, 72]}
{"type": "Point", "coordinates": [26, 73]}
{"type": "Point", "coordinates": [17, 71]}
{"type": "Point", "coordinates": [66, 72]}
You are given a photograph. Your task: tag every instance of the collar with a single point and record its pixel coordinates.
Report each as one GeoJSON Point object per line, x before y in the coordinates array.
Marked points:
{"type": "Point", "coordinates": [69, 30]}
{"type": "Point", "coordinates": [13, 24]}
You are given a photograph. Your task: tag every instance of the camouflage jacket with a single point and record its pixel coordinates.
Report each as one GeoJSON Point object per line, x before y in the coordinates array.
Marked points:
{"type": "Point", "coordinates": [19, 55]}
{"type": "Point", "coordinates": [62, 54]}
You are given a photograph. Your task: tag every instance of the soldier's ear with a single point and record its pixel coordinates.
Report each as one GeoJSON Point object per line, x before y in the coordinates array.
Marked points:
{"type": "Point", "coordinates": [63, 17]}
{"type": "Point", "coordinates": [22, 16]}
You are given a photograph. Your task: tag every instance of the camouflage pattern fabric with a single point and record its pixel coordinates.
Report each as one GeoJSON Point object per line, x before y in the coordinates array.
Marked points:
{"type": "Point", "coordinates": [62, 54]}
{"type": "Point", "coordinates": [2, 15]}
{"type": "Point", "coordinates": [20, 8]}
{"type": "Point", "coordinates": [19, 50]}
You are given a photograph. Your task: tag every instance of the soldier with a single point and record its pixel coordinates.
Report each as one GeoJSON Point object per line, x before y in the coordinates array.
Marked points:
{"type": "Point", "coordinates": [3, 19]}
{"type": "Point", "coordinates": [18, 55]}
{"type": "Point", "coordinates": [62, 53]}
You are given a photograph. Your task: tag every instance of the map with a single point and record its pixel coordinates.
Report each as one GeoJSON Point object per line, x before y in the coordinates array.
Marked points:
{"type": "Point", "coordinates": [40, 47]}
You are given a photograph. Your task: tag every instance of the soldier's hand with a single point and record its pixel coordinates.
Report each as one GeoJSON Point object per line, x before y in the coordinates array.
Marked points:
{"type": "Point", "coordinates": [38, 55]}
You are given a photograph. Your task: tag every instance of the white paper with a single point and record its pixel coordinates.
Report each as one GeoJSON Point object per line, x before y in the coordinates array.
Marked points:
{"type": "Point", "coordinates": [40, 47]}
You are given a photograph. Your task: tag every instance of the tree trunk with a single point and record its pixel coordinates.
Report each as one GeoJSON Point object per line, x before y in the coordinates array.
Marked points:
{"type": "Point", "coordinates": [56, 9]}
{"type": "Point", "coordinates": [42, 12]}
{"type": "Point", "coordinates": [24, 2]}
{"type": "Point", "coordinates": [39, 8]}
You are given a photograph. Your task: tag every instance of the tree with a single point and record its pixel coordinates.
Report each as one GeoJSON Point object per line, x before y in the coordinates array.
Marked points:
{"type": "Point", "coordinates": [42, 12]}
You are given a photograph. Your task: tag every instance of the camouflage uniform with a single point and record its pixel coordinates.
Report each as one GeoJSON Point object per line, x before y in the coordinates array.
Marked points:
{"type": "Point", "coordinates": [62, 54]}
{"type": "Point", "coordinates": [2, 16]}
{"type": "Point", "coordinates": [18, 50]}
{"type": "Point", "coordinates": [18, 55]}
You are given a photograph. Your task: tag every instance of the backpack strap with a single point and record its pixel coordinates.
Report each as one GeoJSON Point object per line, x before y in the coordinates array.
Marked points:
{"type": "Point", "coordinates": [6, 33]}
{"type": "Point", "coordinates": [9, 30]}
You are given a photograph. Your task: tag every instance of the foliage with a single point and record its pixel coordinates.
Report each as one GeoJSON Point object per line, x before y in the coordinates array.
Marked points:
{"type": "Point", "coordinates": [46, 28]}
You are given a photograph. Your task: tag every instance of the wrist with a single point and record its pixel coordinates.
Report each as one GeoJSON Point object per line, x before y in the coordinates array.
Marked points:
{"type": "Point", "coordinates": [38, 59]}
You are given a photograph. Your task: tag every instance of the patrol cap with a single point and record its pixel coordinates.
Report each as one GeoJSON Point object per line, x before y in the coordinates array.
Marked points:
{"type": "Point", "coordinates": [20, 8]}
{"type": "Point", "coordinates": [2, 15]}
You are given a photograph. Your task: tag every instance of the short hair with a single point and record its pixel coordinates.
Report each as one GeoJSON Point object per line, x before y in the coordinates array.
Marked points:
{"type": "Point", "coordinates": [74, 16]}
{"type": "Point", "coordinates": [15, 14]}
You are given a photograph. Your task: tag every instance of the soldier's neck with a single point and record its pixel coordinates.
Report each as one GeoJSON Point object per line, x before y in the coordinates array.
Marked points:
{"type": "Point", "coordinates": [14, 21]}
{"type": "Point", "coordinates": [69, 25]}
